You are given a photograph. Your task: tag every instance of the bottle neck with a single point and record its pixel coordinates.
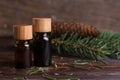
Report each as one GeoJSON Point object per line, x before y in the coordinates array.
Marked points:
{"type": "Point", "coordinates": [42, 34]}
{"type": "Point", "coordinates": [25, 43]}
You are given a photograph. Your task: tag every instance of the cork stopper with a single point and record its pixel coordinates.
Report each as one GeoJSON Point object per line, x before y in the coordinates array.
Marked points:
{"type": "Point", "coordinates": [42, 24]}
{"type": "Point", "coordinates": [22, 32]}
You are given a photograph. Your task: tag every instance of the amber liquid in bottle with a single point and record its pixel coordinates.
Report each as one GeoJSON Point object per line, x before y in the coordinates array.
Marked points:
{"type": "Point", "coordinates": [42, 51]}
{"type": "Point", "coordinates": [22, 36]}
{"type": "Point", "coordinates": [23, 58]}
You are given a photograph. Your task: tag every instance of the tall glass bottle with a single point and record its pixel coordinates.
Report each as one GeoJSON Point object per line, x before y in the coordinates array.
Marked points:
{"type": "Point", "coordinates": [23, 54]}
{"type": "Point", "coordinates": [42, 41]}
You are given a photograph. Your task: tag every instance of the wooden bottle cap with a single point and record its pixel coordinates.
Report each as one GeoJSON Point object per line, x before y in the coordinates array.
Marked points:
{"type": "Point", "coordinates": [42, 24]}
{"type": "Point", "coordinates": [22, 32]}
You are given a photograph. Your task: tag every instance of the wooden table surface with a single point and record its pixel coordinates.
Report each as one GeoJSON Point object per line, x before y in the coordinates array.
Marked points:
{"type": "Point", "coordinates": [92, 71]}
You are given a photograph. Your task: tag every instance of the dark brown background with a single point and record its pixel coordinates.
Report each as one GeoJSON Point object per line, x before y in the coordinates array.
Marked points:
{"type": "Point", "coordinates": [104, 14]}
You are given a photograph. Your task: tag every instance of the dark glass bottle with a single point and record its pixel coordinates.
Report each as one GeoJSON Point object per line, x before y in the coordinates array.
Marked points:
{"type": "Point", "coordinates": [23, 57]}
{"type": "Point", "coordinates": [42, 42]}
{"type": "Point", "coordinates": [23, 53]}
{"type": "Point", "coordinates": [42, 51]}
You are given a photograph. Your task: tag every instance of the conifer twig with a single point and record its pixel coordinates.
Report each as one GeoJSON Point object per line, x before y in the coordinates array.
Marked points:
{"type": "Point", "coordinates": [107, 44]}
{"type": "Point", "coordinates": [54, 41]}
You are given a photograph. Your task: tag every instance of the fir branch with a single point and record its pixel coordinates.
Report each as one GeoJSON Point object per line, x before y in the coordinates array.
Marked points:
{"type": "Point", "coordinates": [54, 41]}
{"type": "Point", "coordinates": [107, 44]}
{"type": "Point", "coordinates": [75, 46]}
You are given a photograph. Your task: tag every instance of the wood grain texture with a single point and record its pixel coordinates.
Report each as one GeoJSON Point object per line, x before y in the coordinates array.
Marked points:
{"type": "Point", "coordinates": [100, 13]}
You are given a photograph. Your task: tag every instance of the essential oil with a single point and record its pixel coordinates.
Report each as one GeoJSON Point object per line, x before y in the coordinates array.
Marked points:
{"type": "Point", "coordinates": [23, 53]}
{"type": "Point", "coordinates": [42, 42]}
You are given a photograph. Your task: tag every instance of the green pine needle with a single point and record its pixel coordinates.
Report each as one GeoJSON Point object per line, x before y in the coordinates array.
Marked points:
{"type": "Point", "coordinates": [36, 70]}
{"type": "Point", "coordinates": [19, 78]}
{"type": "Point", "coordinates": [106, 44]}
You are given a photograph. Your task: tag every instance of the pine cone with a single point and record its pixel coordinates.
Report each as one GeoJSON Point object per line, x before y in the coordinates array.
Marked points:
{"type": "Point", "coordinates": [83, 30]}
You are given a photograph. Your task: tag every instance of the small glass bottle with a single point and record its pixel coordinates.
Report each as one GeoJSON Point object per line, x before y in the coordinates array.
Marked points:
{"type": "Point", "coordinates": [23, 53]}
{"type": "Point", "coordinates": [42, 42]}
